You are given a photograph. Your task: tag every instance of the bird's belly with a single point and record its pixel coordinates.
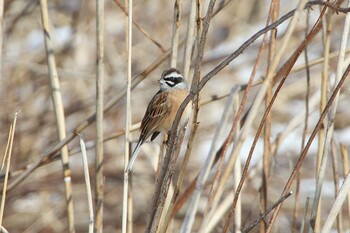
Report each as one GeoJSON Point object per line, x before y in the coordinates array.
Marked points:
{"type": "Point", "coordinates": [168, 122]}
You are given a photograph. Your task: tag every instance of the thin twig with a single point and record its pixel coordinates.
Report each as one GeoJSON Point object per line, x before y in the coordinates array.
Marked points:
{"type": "Point", "coordinates": [262, 216]}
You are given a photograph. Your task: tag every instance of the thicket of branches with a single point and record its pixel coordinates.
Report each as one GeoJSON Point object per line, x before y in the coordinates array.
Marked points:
{"type": "Point", "coordinates": [265, 150]}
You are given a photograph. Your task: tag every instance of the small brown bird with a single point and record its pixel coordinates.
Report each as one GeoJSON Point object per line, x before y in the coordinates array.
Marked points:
{"type": "Point", "coordinates": [162, 109]}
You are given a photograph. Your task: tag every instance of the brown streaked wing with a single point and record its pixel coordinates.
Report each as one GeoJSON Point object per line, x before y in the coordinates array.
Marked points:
{"type": "Point", "coordinates": [155, 113]}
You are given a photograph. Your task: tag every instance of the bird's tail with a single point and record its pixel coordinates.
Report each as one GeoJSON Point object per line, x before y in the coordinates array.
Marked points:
{"type": "Point", "coordinates": [135, 153]}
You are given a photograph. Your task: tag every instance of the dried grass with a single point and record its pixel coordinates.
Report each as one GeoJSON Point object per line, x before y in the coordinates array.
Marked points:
{"type": "Point", "coordinates": [214, 57]}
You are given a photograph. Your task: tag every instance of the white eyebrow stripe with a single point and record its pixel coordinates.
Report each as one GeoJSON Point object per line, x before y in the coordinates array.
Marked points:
{"type": "Point", "coordinates": [173, 74]}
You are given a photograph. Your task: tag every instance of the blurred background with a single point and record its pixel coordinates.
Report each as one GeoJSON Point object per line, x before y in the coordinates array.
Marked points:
{"type": "Point", "coordinates": [38, 203]}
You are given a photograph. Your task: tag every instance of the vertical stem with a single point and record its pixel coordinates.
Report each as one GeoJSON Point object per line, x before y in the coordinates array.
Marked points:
{"type": "Point", "coordinates": [127, 225]}
{"type": "Point", "coordinates": [323, 100]}
{"type": "Point", "coordinates": [190, 215]}
{"type": "Point", "coordinates": [176, 32]}
{"type": "Point", "coordinates": [1, 37]}
{"type": "Point", "coordinates": [302, 227]}
{"type": "Point", "coordinates": [315, 214]}
{"type": "Point", "coordinates": [345, 188]}
{"type": "Point", "coordinates": [345, 162]}
{"type": "Point", "coordinates": [87, 183]}
{"type": "Point", "coordinates": [7, 155]}
{"type": "Point", "coordinates": [189, 39]}
{"type": "Point", "coordinates": [59, 112]}
{"type": "Point", "coordinates": [307, 97]}
{"type": "Point", "coordinates": [334, 155]}
{"type": "Point", "coordinates": [237, 175]}
{"type": "Point", "coordinates": [99, 186]}
{"type": "Point", "coordinates": [267, 128]}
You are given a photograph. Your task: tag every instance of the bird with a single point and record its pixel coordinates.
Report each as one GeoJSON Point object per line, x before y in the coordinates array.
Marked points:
{"type": "Point", "coordinates": [162, 109]}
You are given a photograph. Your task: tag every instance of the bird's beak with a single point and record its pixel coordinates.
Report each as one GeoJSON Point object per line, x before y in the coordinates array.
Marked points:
{"type": "Point", "coordinates": [158, 80]}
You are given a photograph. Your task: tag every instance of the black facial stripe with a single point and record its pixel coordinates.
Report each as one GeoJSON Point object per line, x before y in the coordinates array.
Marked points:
{"type": "Point", "coordinates": [170, 83]}
{"type": "Point", "coordinates": [175, 80]}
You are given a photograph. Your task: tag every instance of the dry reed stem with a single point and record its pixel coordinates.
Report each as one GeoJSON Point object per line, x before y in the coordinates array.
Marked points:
{"type": "Point", "coordinates": [236, 176]}
{"type": "Point", "coordinates": [58, 111]}
{"type": "Point", "coordinates": [323, 99]}
{"type": "Point", "coordinates": [303, 222]}
{"type": "Point", "coordinates": [317, 61]}
{"type": "Point", "coordinates": [3, 229]}
{"type": "Point", "coordinates": [220, 212]}
{"type": "Point", "coordinates": [1, 36]}
{"type": "Point", "coordinates": [345, 162]}
{"type": "Point", "coordinates": [176, 33]}
{"type": "Point", "coordinates": [190, 215]}
{"type": "Point", "coordinates": [162, 216]}
{"type": "Point", "coordinates": [336, 207]}
{"type": "Point", "coordinates": [293, 124]}
{"type": "Point", "coordinates": [4, 159]}
{"type": "Point", "coordinates": [190, 34]}
{"type": "Point", "coordinates": [128, 50]}
{"type": "Point", "coordinates": [7, 155]}
{"type": "Point", "coordinates": [334, 155]}
{"type": "Point", "coordinates": [87, 183]}
{"type": "Point", "coordinates": [99, 179]}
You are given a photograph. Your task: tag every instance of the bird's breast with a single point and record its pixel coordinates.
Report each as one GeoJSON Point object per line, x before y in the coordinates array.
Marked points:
{"type": "Point", "coordinates": [175, 99]}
